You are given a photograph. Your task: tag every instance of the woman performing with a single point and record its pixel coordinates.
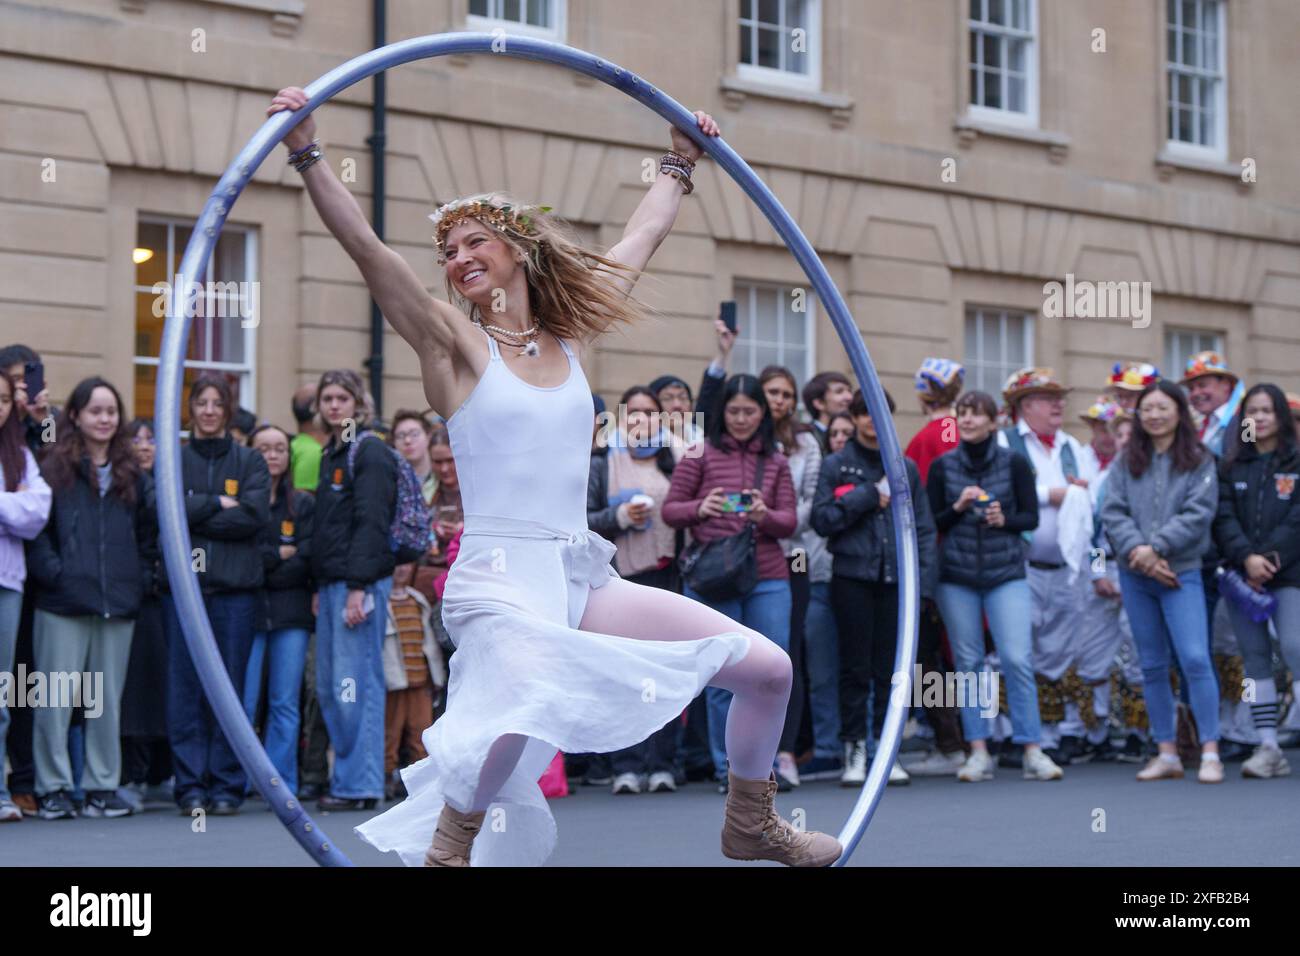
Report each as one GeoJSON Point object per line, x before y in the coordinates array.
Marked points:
{"type": "Point", "coordinates": [554, 650]}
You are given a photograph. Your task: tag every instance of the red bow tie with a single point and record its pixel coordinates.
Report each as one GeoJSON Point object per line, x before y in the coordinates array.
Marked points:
{"type": "Point", "coordinates": [1047, 440]}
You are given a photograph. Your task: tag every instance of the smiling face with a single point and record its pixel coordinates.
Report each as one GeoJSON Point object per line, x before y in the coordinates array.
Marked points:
{"type": "Point", "coordinates": [1209, 392]}
{"type": "Point", "coordinates": [99, 420]}
{"type": "Point", "coordinates": [208, 414]}
{"type": "Point", "coordinates": [1158, 414]}
{"type": "Point", "coordinates": [973, 424]}
{"type": "Point", "coordinates": [1043, 412]}
{"type": "Point", "coordinates": [478, 261]}
{"type": "Point", "coordinates": [142, 444]}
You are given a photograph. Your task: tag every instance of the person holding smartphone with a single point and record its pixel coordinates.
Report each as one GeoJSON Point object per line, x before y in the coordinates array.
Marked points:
{"type": "Point", "coordinates": [713, 494]}
{"type": "Point", "coordinates": [227, 504]}
{"type": "Point", "coordinates": [352, 564]}
{"type": "Point", "coordinates": [1257, 530]}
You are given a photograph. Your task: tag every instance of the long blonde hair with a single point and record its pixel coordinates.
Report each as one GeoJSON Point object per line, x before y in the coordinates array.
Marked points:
{"type": "Point", "coordinates": [569, 287]}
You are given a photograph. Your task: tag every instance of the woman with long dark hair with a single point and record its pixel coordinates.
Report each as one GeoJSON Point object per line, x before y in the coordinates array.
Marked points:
{"type": "Point", "coordinates": [1161, 496]}
{"type": "Point", "coordinates": [24, 509]}
{"type": "Point", "coordinates": [626, 490]}
{"type": "Point", "coordinates": [1258, 532]}
{"type": "Point", "coordinates": [280, 645]}
{"type": "Point", "coordinates": [92, 565]}
{"type": "Point", "coordinates": [227, 490]}
{"type": "Point", "coordinates": [740, 458]}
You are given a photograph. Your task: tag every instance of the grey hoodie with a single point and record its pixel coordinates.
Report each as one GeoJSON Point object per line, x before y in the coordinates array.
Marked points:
{"type": "Point", "coordinates": [1169, 510]}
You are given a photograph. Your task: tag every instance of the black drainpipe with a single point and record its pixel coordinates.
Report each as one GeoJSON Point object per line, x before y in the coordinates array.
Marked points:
{"type": "Point", "coordinates": [376, 142]}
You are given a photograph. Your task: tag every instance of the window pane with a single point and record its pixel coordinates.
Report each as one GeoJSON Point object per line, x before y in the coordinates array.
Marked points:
{"type": "Point", "coordinates": [797, 61]}
{"type": "Point", "coordinates": [1016, 93]}
{"type": "Point", "coordinates": [1020, 14]}
{"type": "Point", "coordinates": [511, 11]}
{"type": "Point", "coordinates": [997, 11]}
{"type": "Point", "coordinates": [976, 87]}
{"type": "Point", "coordinates": [1184, 87]}
{"type": "Point", "coordinates": [795, 322]}
{"type": "Point", "coordinates": [992, 51]}
{"type": "Point", "coordinates": [768, 11]}
{"type": "Point", "coordinates": [767, 303]}
{"type": "Point", "coordinates": [1183, 129]}
{"type": "Point", "coordinates": [796, 13]}
{"type": "Point", "coordinates": [1189, 14]}
{"type": "Point", "coordinates": [975, 48]}
{"type": "Point", "coordinates": [1171, 51]}
{"type": "Point", "coordinates": [1016, 51]}
{"type": "Point", "coordinates": [975, 9]}
{"type": "Point", "coordinates": [992, 90]}
{"type": "Point", "coordinates": [1191, 48]}
{"type": "Point", "coordinates": [746, 44]}
{"type": "Point", "coordinates": [228, 258]}
{"type": "Point", "coordinates": [227, 335]}
{"type": "Point", "coordinates": [478, 7]}
{"type": "Point", "coordinates": [769, 52]}
{"type": "Point", "coordinates": [153, 237]}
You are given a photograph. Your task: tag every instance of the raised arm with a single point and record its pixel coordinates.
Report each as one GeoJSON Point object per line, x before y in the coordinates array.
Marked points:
{"type": "Point", "coordinates": [427, 324]}
{"type": "Point", "coordinates": [654, 217]}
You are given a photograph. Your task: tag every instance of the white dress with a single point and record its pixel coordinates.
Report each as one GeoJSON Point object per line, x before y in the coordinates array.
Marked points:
{"type": "Point", "coordinates": [514, 597]}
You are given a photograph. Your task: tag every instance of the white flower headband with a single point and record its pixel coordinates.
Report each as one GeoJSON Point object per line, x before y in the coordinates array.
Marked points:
{"type": "Point", "coordinates": [499, 217]}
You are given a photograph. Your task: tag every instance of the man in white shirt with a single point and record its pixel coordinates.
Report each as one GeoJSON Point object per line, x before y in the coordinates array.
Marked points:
{"type": "Point", "coordinates": [1037, 402]}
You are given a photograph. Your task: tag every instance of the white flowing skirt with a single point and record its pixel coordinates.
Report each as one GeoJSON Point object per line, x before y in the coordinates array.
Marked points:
{"type": "Point", "coordinates": [514, 597]}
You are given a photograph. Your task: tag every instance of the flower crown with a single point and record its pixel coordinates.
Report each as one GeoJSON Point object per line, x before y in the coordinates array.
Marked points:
{"type": "Point", "coordinates": [501, 217]}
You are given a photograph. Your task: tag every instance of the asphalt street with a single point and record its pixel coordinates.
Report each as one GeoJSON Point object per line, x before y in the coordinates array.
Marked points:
{"type": "Point", "coordinates": [931, 822]}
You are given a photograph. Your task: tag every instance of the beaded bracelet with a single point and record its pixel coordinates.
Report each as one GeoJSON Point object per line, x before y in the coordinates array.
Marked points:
{"type": "Point", "coordinates": [673, 154]}
{"type": "Point", "coordinates": [680, 175]}
{"type": "Point", "coordinates": [297, 154]}
{"type": "Point", "coordinates": [314, 156]}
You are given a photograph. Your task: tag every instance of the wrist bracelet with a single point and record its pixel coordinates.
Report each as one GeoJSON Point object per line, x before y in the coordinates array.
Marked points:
{"type": "Point", "coordinates": [296, 154]}
{"type": "Point", "coordinates": [680, 175]}
{"type": "Point", "coordinates": [313, 157]}
{"type": "Point", "coordinates": [673, 154]}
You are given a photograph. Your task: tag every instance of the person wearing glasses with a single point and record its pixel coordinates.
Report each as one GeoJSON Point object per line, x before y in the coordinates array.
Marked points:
{"type": "Point", "coordinates": [410, 436]}
{"type": "Point", "coordinates": [1037, 403]}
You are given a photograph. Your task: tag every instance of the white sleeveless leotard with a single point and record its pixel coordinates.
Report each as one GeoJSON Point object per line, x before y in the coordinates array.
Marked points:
{"type": "Point", "coordinates": [514, 598]}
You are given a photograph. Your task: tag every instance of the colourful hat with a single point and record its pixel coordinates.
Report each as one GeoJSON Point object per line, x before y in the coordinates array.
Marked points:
{"type": "Point", "coordinates": [1293, 402]}
{"type": "Point", "coordinates": [938, 375]}
{"type": "Point", "coordinates": [1103, 410]}
{"type": "Point", "coordinates": [1133, 376]}
{"type": "Point", "coordinates": [1206, 363]}
{"type": "Point", "coordinates": [1031, 381]}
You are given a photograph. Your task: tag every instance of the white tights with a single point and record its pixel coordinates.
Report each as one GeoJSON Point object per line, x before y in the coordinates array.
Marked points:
{"type": "Point", "coordinates": [760, 681]}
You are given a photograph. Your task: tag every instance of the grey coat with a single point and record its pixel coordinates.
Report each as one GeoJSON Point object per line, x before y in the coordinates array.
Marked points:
{"type": "Point", "coordinates": [1170, 510]}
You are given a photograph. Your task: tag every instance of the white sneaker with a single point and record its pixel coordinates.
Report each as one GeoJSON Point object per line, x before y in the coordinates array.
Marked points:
{"type": "Point", "coordinates": [938, 764]}
{"type": "Point", "coordinates": [855, 764]}
{"type": "Point", "coordinates": [1039, 766]}
{"type": "Point", "coordinates": [1264, 763]}
{"type": "Point", "coordinates": [978, 766]}
{"type": "Point", "coordinates": [898, 776]}
{"type": "Point", "coordinates": [661, 781]}
{"type": "Point", "coordinates": [787, 769]}
{"type": "Point", "coordinates": [9, 812]}
{"type": "Point", "coordinates": [627, 783]}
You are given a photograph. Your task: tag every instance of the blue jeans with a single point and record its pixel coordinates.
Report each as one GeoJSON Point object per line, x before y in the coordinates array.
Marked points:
{"type": "Point", "coordinates": [351, 691]}
{"type": "Point", "coordinates": [1009, 608]}
{"type": "Point", "coordinates": [822, 662]}
{"type": "Point", "coordinates": [1160, 616]}
{"type": "Point", "coordinates": [205, 763]}
{"type": "Point", "coordinates": [765, 609]}
{"type": "Point", "coordinates": [11, 606]}
{"type": "Point", "coordinates": [288, 657]}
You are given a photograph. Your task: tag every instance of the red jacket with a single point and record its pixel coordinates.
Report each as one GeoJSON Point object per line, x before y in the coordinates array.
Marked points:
{"type": "Point", "coordinates": [734, 469]}
{"type": "Point", "coordinates": [928, 444]}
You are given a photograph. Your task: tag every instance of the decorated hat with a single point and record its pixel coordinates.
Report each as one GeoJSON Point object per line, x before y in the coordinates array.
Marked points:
{"type": "Point", "coordinates": [1103, 410]}
{"type": "Point", "coordinates": [1206, 363]}
{"type": "Point", "coordinates": [1031, 381]}
{"type": "Point", "coordinates": [1133, 376]}
{"type": "Point", "coordinates": [938, 376]}
{"type": "Point", "coordinates": [1293, 402]}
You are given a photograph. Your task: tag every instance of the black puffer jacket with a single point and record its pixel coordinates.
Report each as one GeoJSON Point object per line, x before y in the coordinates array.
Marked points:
{"type": "Point", "coordinates": [97, 554]}
{"type": "Point", "coordinates": [1259, 511]}
{"type": "Point", "coordinates": [859, 533]}
{"type": "Point", "coordinates": [210, 468]}
{"type": "Point", "coordinates": [353, 514]}
{"type": "Point", "coordinates": [288, 581]}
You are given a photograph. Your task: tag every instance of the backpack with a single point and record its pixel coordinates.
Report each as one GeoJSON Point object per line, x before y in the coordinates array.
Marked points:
{"type": "Point", "coordinates": [410, 532]}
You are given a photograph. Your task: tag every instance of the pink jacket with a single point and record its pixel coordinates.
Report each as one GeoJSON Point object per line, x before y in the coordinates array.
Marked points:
{"type": "Point", "coordinates": [734, 469]}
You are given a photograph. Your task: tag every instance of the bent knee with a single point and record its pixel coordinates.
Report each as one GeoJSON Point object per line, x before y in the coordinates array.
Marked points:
{"type": "Point", "coordinates": [772, 671]}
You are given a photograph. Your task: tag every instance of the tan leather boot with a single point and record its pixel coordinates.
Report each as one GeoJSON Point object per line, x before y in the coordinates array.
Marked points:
{"type": "Point", "coordinates": [453, 837]}
{"type": "Point", "coordinates": [752, 829]}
